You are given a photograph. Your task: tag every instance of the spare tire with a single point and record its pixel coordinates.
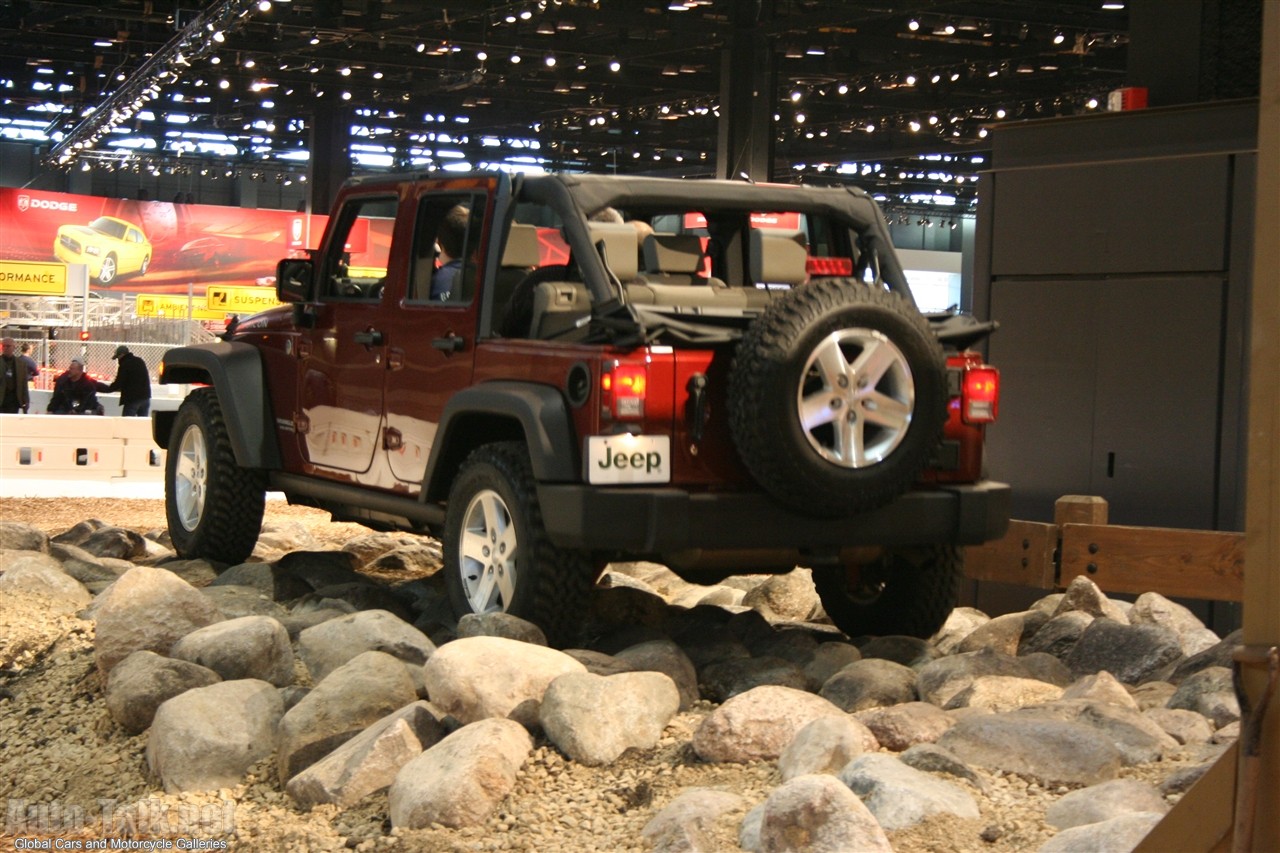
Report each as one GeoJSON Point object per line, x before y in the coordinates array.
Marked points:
{"type": "Point", "coordinates": [837, 397]}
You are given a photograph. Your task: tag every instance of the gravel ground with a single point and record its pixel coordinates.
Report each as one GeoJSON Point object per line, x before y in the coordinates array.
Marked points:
{"type": "Point", "coordinates": [60, 752]}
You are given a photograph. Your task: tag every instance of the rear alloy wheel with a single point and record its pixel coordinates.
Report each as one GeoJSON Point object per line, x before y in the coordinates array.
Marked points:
{"type": "Point", "coordinates": [214, 507]}
{"type": "Point", "coordinates": [497, 556]}
{"type": "Point", "coordinates": [910, 592]}
{"type": "Point", "coordinates": [837, 397]}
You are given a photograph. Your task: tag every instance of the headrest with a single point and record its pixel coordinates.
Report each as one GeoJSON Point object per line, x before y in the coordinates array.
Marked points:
{"type": "Point", "coordinates": [619, 247]}
{"type": "Point", "coordinates": [673, 253]}
{"type": "Point", "coordinates": [778, 256]}
{"type": "Point", "coordinates": [522, 247]}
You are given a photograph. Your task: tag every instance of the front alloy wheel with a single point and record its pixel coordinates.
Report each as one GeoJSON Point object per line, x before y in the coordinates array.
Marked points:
{"type": "Point", "coordinates": [107, 273]}
{"type": "Point", "coordinates": [489, 553]}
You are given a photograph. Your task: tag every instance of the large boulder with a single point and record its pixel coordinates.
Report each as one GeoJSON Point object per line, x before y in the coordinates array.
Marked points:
{"type": "Point", "coordinates": [248, 647]}
{"type": "Point", "coordinates": [594, 719]}
{"type": "Point", "coordinates": [333, 642]}
{"type": "Point", "coordinates": [900, 796]}
{"type": "Point", "coordinates": [142, 682]}
{"type": "Point", "coordinates": [824, 746]}
{"type": "Point", "coordinates": [37, 573]}
{"type": "Point", "coordinates": [758, 725]}
{"type": "Point", "coordinates": [480, 677]}
{"type": "Point", "coordinates": [1050, 751]}
{"type": "Point", "coordinates": [146, 609]}
{"type": "Point", "coordinates": [1132, 653]}
{"type": "Point", "coordinates": [459, 781]}
{"type": "Point", "coordinates": [818, 814]}
{"type": "Point", "coordinates": [684, 823]}
{"type": "Point", "coordinates": [870, 683]}
{"type": "Point", "coordinates": [209, 737]}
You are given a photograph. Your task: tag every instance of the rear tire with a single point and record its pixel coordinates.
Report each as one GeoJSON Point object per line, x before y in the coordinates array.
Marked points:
{"type": "Point", "coordinates": [908, 592]}
{"type": "Point", "coordinates": [497, 556]}
{"type": "Point", "coordinates": [214, 507]}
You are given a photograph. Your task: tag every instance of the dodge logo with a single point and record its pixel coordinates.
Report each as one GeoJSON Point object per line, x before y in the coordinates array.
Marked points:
{"type": "Point", "coordinates": [24, 201]}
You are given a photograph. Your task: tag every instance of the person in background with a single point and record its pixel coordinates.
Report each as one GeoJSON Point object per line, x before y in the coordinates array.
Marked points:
{"type": "Point", "coordinates": [74, 392]}
{"type": "Point", "coordinates": [133, 381]}
{"type": "Point", "coordinates": [451, 240]}
{"type": "Point", "coordinates": [33, 369]}
{"type": "Point", "coordinates": [15, 397]}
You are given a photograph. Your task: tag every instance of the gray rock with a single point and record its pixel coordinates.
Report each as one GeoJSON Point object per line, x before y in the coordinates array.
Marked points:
{"type": "Point", "coordinates": [1180, 781]}
{"type": "Point", "coordinates": [962, 622]}
{"type": "Point", "coordinates": [248, 647]}
{"type": "Point", "coordinates": [1209, 692]}
{"type": "Point", "coordinates": [1153, 694]}
{"type": "Point", "coordinates": [459, 781]}
{"type": "Point", "coordinates": [685, 823]}
{"type": "Point", "coordinates": [931, 758]}
{"type": "Point", "coordinates": [1083, 594]}
{"type": "Point", "coordinates": [329, 645]}
{"type": "Point", "coordinates": [749, 830]}
{"type": "Point", "coordinates": [198, 573]}
{"type": "Point", "coordinates": [1186, 727]}
{"type": "Point", "coordinates": [594, 719]}
{"type": "Point", "coordinates": [146, 609]}
{"type": "Point", "coordinates": [900, 796]}
{"type": "Point", "coordinates": [369, 761]}
{"type": "Point", "coordinates": [728, 678]}
{"type": "Point", "coordinates": [315, 569]}
{"type": "Point", "coordinates": [1046, 668]}
{"type": "Point", "coordinates": [314, 612]}
{"type": "Point", "coordinates": [757, 725]}
{"type": "Point", "coordinates": [939, 680]}
{"type": "Point", "coordinates": [1118, 835]}
{"type": "Point", "coordinates": [115, 542]}
{"type": "Point", "coordinates": [277, 538]}
{"type": "Point", "coordinates": [85, 567]}
{"type": "Point", "coordinates": [819, 814]}
{"type": "Point", "coordinates": [1103, 802]}
{"type": "Point", "coordinates": [1219, 654]}
{"type": "Point", "coordinates": [1138, 739]}
{"type": "Point", "coordinates": [1050, 751]}
{"type": "Point", "coordinates": [144, 681]}
{"type": "Point", "coordinates": [353, 697]}
{"type": "Point", "coordinates": [1004, 633]}
{"type": "Point", "coordinates": [419, 558]}
{"type": "Point", "coordinates": [209, 737]}
{"type": "Point", "coordinates": [828, 659]}
{"type": "Point", "coordinates": [37, 573]}
{"type": "Point", "coordinates": [1000, 693]}
{"type": "Point", "coordinates": [235, 601]}
{"type": "Point", "coordinates": [1132, 653]}
{"type": "Point", "coordinates": [668, 658]}
{"type": "Point", "coordinates": [79, 532]}
{"type": "Point", "coordinates": [870, 683]}
{"type": "Point", "coordinates": [598, 663]}
{"type": "Point", "coordinates": [480, 677]}
{"type": "Point", "coordinates": [1152, 608]}
{"type": "Point", "coordinates": [499, 624]}
{"type": "Point", "coordinates": [790, 597]}
{"type": "Point", "coordinates": [899, 727]}
{"type": "Point", "coordinates": [825, 746]}
{"type": "Point", "coordinates": [1101, 687]}
{"type": "Point", "coordinates": [907, 651]}
{"type": "Point", "coordinates": [791, 643]}
{"type": "Point", "coordinates": [19, 536]}
{"type": "Point", "coordinates": [712, 645]}
{"type": "Point", "coordinates": [1059, 635]}
{"type": "Point", "coordinates": [370, 546]}
{"type": "Point", "coordinates": [261, 577]}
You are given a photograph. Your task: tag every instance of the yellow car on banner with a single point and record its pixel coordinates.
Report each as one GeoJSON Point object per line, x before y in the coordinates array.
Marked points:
{"type": "Point", "coordinates": [111, 247]}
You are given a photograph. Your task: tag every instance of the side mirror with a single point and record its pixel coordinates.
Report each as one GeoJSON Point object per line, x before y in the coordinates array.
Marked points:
{"type": "Point", "coordinates": [295, 280]}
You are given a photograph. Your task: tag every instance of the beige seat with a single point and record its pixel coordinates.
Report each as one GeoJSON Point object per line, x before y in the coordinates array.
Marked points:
{"type": "Point", "coordinates": [519, 257]}
{"type": "Point", "coordinates": [778, 257]}
{"type": "Point", "coordinates": [620, 252]}
{"type": "Point", "coordinates": [672, 258]}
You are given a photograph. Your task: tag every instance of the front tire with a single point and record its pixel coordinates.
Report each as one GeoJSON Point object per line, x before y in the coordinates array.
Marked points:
{"type": "Point", "coordinates": [214, 507]}
{"type": "Point", "coordinates": [908, 592]}
{"type": "Point", "coordinates": [497, 556]}
{"type": "Point", "coordinates": [107, 273]}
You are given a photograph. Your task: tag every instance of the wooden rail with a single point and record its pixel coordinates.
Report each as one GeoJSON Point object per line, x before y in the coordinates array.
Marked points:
{"type": "Point", "coordinates": [1202, 564]}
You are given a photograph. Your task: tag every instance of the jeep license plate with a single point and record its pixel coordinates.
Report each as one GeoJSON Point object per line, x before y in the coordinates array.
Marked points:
{"type": "Point", "coordinates": [629, 459]}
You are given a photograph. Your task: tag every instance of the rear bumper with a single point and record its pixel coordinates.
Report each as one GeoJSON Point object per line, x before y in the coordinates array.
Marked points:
{"type": "Point", "coordinates": [666, 520]}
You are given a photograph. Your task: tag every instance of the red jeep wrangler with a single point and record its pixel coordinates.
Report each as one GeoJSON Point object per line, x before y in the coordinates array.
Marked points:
{"type": "Point", "coordinates": [551, 373]}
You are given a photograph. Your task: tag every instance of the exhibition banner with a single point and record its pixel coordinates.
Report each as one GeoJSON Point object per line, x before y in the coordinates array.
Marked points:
{"type": "Point", "coordinates": [152, 246]}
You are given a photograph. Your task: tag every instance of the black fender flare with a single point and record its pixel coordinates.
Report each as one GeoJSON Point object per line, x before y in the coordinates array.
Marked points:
{"type": "Point", "coordinates": [235, 371]}
{"type": "Point", "coordinates": [493, 411]}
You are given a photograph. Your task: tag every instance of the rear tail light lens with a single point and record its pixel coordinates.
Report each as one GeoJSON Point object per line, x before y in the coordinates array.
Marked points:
{"type": "Point", "coordinates": [980, 395]}
{"type": "Point", "coordinates": [622, 389]}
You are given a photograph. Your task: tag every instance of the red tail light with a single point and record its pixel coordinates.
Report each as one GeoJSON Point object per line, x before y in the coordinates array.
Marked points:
{"type": "Point", "coordinates": [980, 395]}
{"type": "Point", "coordinates": [829, 266]}
{"type": "Point", "coordinates": [623, 388]}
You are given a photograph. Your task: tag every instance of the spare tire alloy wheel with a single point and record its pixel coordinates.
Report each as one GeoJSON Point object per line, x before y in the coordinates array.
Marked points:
{"type": "Point", "coordinates": [497, 556]}
{"type": "Point", "coordinates": [837, 397]}
{"type": "Point", "coordinates": [213, 506]}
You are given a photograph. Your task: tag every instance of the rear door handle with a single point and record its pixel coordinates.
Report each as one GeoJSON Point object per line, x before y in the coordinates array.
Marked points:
{"type": "Point", "coordinates": [449, 343]}
{"type": "Point", "coordinates": [370, 338]}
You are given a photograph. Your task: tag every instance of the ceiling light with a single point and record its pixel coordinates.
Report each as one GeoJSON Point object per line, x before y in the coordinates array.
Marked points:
{"type": "Point", "coordinates": [615, 65]}
{"type": "Point", "coordinates": [1112, 6]}
{"type": "Point", "coordinates": [911, 80]}
{"type": "Point", "coordinates": [914, 125]}
{"type": "Point", "coordinates": [670, 71]}
{"type": "Point", "coordinates": [843, 89]}
{"type": "Point", "coordinates": [815, 50]}
{"type": "Point", "coordinates": [264, 6]}
{"type": "Point", "coordinates": [1059, 38]}
{"type": "Point", "coordinates": [515, 59]}
{"type": "Point", "coordinates": [796, 95]}
{"type": "Point", "coordinates": [526, 15]}
{"type": "Point", "coordinates": [549, 60]}
{"type": "Point", "coordinates": [482, 55]}
{"type": "Point", "coordinates": [913, 25]}
{"type": "Point", "coordinates": [1000, 113]}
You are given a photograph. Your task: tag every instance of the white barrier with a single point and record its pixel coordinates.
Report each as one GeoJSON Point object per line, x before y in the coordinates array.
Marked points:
{"type": "Point", "coordinates": [86, 449]}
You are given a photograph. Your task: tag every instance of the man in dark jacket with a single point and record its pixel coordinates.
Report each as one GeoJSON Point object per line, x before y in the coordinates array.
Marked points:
{"type": "Point", "coordinates": [13, 397]}
{"type": "Point", "coordinates": [75, 392]}
{"type": "Point", "coordinates": [133, 381]}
